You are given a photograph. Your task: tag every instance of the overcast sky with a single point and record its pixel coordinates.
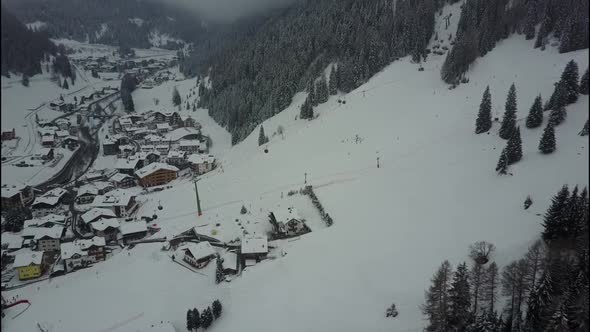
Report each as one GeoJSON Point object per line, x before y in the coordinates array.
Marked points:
{"type": "Point", "coordinates": [227, 10]}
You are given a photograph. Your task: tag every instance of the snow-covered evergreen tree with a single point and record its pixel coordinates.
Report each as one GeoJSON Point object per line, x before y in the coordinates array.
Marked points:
{"type": "Point", "coordinates": [514, 147]}
{"type": "Point", "coordinates": [322, 92]}
{"type": "Point", "coordinates": [557, 116]}
{"type": "Point", "coordinates": [509, 121]}
{"type": "Point", "coordinates": [217, 309]}
{"type": "Point", "coordinates": [570, 77]}
{"type": "Point", "coordinates": [484, 116]}
{"type": "Point", "coordinates": [436, 306]}
{"type": "Point", "coordinates": [196, 319]}
{"type": "Point", "coordinates": [176, 100]}
{"type": "Point", "coordinates": [333, 84]}
{"type": "Point", "coordinates": [206, 318]}
{"type": "Point", "coordinates": [547, 144]}
{"type": "Point", "coordinates": [502, 166]}
{"type": "Point", "coordinates": [552, 221]}
{"type": "Point", "coordinates": [460, 299]}
{"type": "Point", "coordinates": [219, 274]}
{"type": "Point", "coordinates": [584, 83]}
{"type": "Point", "coordinates": [189, 320]}
{"type": "Point", "coordinates": [584, 131]}
{"type": "Point", "coordinates": [535, 117]}
{"type": "Point", "coordinates": [262, 138]}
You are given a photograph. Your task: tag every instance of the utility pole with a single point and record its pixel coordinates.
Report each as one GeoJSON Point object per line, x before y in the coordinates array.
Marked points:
{"type": "Point", "coordinates": [195, 180]}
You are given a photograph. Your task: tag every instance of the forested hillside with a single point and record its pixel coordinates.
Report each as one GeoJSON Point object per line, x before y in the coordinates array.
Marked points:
{"type": "Point", "coordinates": [257, 77]}
{"type": "Point", "coordinates": [115, 22]}
{"type": "Point", "coordinates": [22, 49]}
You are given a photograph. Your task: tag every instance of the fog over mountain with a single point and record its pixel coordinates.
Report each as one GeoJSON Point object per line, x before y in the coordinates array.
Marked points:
{"type": "Point", "coordinates": [228, 10]}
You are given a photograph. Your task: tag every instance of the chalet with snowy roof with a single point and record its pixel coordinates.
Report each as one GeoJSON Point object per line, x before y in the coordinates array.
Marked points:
{"type": "Point", "coordinates": [48, 239]}
{"type": "Point", "coordinates": [94, 248]}
{"type": "Point", "coordinates": [120, 201]}
{"type": "Point", "coordinates": [50, 199]}
{"type": "Point", "coordinates": [188, 121]}
{"type": "Point", "coordinates": [8, 134]}
{"type": "Point", "coordinates": [125, 122]}
{"type": "Point", "coordinates": [11, 241]}
{"type": "Point", "coordinates": [189, 146]}
{"type": "Point", "coordinates": [132, 230]}
{"type": "Point", "coordinates": [156, 174]}
{"type": "Point", "coordinates": [121, 180]}
{"type": "Point", "coordinates": [71, 141]}
{"type": "Point", "coordinates": [61, 134]}
{"type": "Point", "coordinates": [229, 262]}
{"type": "Point", "coordinates": [96, 214]}
{"type": "Point", "coordinates": [48, 141]}
{"type": "Point", "coordinates": [162, 149]}
{"type": "Point", "coordinates": [73, 257]}
{"type": "Point", "coordinates": [30, 264]}
{"type": "Point", "coordinates": [44, 154]}
{"type": "Point", "coordinates": [286, 222]}
{"type": "Point", "coordinates": [163, 128]}
{"type": "Point", "coordinates": [198, 254]}
{"type": "Point", "coordinates": [148, 157]}
{"type": "Point", "coordinates": [109, 147]}
{"type": "Point", "coordinates": [176, 158]}
{"type": "Point", "coordinates": [16, 196]}
{"type": "Point", "coordinates": [201, 164]}
{"type": "Point", "coordinates": [254, 247]}
{"type": "Point", "coordinates": [128, 166]}
{"type": "Point", "coordinates": [46, 221]}
{"type": "Point", "coordinates": [106, 228]}
{"type": "Point", "coordinates": [86, 194]}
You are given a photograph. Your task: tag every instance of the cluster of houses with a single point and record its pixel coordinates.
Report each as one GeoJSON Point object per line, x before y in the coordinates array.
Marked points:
{"type": "Point", "coordinates": [153, 147]}
{"type": "Point", "coordinates": [8, 134]}
{"type": "Point", "coordinates": [61, 133]}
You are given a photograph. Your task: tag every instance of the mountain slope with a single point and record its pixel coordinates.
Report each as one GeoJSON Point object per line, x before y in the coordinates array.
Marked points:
{"type": "Point", "coordinates": [435, 193]}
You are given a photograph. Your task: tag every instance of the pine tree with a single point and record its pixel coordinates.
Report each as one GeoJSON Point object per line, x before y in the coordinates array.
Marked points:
{"type": "Point", "coordinates": [559, 320]}
{"type": "Point", "coordinates": [219, 274]}
{"type": "Point", "coordinates": [313, 100]}
{"type": "Point", "coordinates": [529, 22]}
{"type": "Point", "coordinates": [206, 318]}
{"type": "Point", "coordinates": [514, 147]}
{"type": "Point", "coordinates": [584, 131]}
{"type": "Point", "coordinates": [217, 309]}
{"type": "Point", "coordinates": [176, 100]}
{"type": "Point", "coordinates": [552, 221]}
{"type": "Point", "coordinates": [333, 84]}
{"type": "Point", "coordinates": [535, 117]}
{"type": "Point", "coordinates": [262, 139]}
{"type": "Point", "coordinates": [509, 120]}
{"type": "Point", "coordinates": [322, 92]}
{"type": "Point", "coordinates": [489, 288]}
{"type": "Point", "coordinates": [502, 166]}
{"type": "Point", "coordinates": [306, 109]}
{"type": "Point", "coordinates": [436, 306]}
{"type": "Point", "coordinates": [66, 85]}
{"type": "Point", "coordinates": [557, 116]}
{"type": "Point", "coordinates": [460, 299]}
{"type": "Point", "coordinates": [243, 210]}
{"type": "Point", "coordinates": [570, 78]}
{"type": "Point", "coordinates": [25, 80]}
{"type": "Point", "coordinates": [189, 320]}
{"type": "Point", "coordinates": [584, 83]}
{"type": "Point", "coordinates": [484, 117]}
{"type": "Point", "coordinates": [547, 144]}
{"type": "Point", "coordinates": [196, 319]}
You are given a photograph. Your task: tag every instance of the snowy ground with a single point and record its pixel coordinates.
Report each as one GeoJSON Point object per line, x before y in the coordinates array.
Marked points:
{"type": "Point", "coordinates": [435, 193]}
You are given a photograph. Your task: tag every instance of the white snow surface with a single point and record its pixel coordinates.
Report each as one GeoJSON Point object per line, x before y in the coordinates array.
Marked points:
{"type": "Point", "coordinates": [435, 193]}
{"type": "Point", "coordinates": [36, 25]}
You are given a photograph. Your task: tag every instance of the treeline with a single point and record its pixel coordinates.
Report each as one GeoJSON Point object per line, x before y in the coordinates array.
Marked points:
{"type": "Point", "coordinates": [546, 290]}
{"type": "Point", "coordinates": [83, 20]}
{"type": "Point", "coordinates": [257, 76]}
{"type": "Point", "coordinates": [485, 22]}
{"type": "Point", "coordinates": [22, 49]}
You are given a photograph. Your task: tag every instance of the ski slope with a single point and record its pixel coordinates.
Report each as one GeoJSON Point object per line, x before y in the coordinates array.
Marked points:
{"type": "Point", "coordinates": [435, 193]}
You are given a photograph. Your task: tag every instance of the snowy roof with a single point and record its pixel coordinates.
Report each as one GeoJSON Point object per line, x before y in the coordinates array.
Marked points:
{"type": "Point", "coordinates": [102, 185]}
{"type": "Point", "coordinates": [154, 138]}
{"type": "Point", "coordinates": [176, 154]}
{"type": "Point", "coordinates": [125, 121]}
{"type": "Point", "coordinates": [14, 241]}
{"type": "Point", "coordinates": [47, 131]}
{"type": "Point", "coordinates": [87, 189]}
{"type": "Point", "coordinates": [200, 159]}
{"type": "Point", "coordinates": [118, 177]}
{"type": "Point", "coordinates": [200, 250]}
{"type": "Point", "coordinates": [11, 190]}
{"type": "Point", "coordinates": [230, 260]}
{"type": "Point", "coordinates": [47, 139]}
{"type": "Point", "coordinates": [119, 197]}
{"type": "Point", "coordinates": [132, 227]}
{"type": "Point", "coordinates": [126, 164]}
{"type": "Point", "coordinates": [286, 214]}
{"type": "Point", "coordinates": [255, 244]}
{"type": "Point", "coordinates": [153, 167]}
{"type": "Point", "coordinates": [43, 151]}
{"type": "Point", "coordinates": [147, 147]}
{"type": "Point", "coordinates": [95, 241]}
{"type": "Point", "coordinates": [96, 213]}
{"type": "Point", "coordinates": [125, 147]}
{"type": "Point", "coordinates": [62, 133]}
{"type": "Point", "coordinates": [28, 258]}
{"type": "Point", "coordinates": [181, 132]}
{"type": "Point", "coordinates": [104, 223]}
{"type": "Point", "coordinates": [190, 142]}
{"type": "Point", "coordinates": [69, 249]}
{"type": "Point", "coordinates": [51, 197]}
{"type": "Point", "coordinates": [54, 232]}
{"type": "Point", "coordinates": [163, 126]}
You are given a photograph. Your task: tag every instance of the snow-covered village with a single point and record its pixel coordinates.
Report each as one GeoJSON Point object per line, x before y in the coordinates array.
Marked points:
{"type": "Point", "coordinates": [352, 165]}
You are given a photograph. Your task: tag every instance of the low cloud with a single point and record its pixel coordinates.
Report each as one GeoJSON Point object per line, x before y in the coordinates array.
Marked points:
{"type": "Point", "coordinates": [227, 10]}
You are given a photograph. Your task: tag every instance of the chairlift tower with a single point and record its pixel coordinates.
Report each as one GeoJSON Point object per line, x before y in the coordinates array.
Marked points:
{"type": "Point", "coordinates": [199, 212]}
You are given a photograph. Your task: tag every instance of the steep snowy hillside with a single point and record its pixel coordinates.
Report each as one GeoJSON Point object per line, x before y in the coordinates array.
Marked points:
{"type": "Point", "coordinates": [434, 193]}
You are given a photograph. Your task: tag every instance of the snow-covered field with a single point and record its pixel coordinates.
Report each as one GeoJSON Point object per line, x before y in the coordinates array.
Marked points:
{"type": "Point", "coordinates": [435, 193]}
